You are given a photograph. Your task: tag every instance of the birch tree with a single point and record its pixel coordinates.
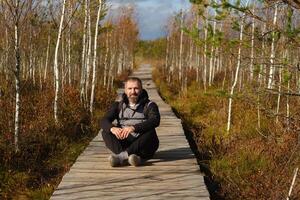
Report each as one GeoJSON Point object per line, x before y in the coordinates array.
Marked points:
{"type": "Point", "coordinates": [180, 47]}
{"type": "Point", "coordinates": [55, 67]}
{"type": "Point", "coordinates": [252, 46]}
{"type": "Point", "coordinates": [83, 55]}
{"type": "Point", "coordinates": [236, 72]}
{"type": "Point", "coordinates": [95, 56]}
{"type": "Point", "coordinates": [16, 16]}
{"type": "Point", "coordinates": [17, 9]}
{"type": "Point", "coordinates": [272, 56]}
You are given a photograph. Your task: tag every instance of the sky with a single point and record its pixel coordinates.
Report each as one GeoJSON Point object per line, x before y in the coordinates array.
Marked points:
{"type": "Point", "coordinates": [151, 15]}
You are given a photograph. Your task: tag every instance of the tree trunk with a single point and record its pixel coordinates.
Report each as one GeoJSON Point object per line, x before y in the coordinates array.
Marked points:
{"type": "Point", "coordinates": [262, 69]}
{"type": "Point", "coordinates": [106, 59]}
{"type": "Point", "coordinates": [83, 57]}
{"type": "Point", "coordinates": [180, 48]}
{"type": "Point", "coordinates": [236, 74]}
{"type": "Point", "coordinates": [167, 54]}
{"type": "Point", "coordinates": [47, 57]}
{"type": "Point", "coordinates": [211, 64]}
{"type": "Point", "coordinates": [69, 46]}
{"type": "Point", "coordinates": [272, 56]}
{"type": "Point", "coordinates": [88, 65]}
{"type": "Point", "coordinates": [279, 95]}
{"type": "Point", "coordinates": [95, 56]}
{"type": "Point", "coordinates": [252, 47]}
{"type": "Point", "coordinates": [5, 67]}
{"type": "Point", "coordinates": [63, 63]}
{"type": "Point", "coordinates": [56, 73]}
{"type": "Point", "coordinates": [17, 80]}
{"type": "Point", "coordinates": [197, 54]}
{"type": "Point", "coordinates": [204, 56]}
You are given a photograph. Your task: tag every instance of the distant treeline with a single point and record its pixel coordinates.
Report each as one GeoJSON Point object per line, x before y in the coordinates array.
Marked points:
{"type": "Point", "coordinates": [152, 48]}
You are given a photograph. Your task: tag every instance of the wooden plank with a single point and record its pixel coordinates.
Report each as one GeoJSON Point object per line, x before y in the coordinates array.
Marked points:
{"type": "Point", "coordinates": [172, 173]}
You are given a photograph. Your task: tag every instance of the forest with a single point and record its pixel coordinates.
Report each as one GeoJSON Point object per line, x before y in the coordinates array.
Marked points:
{"type": "Point", "coordinates": [232, 74]}
{"type": "Point", "coordinates": [60, 65]}
{"type": "Point", "coordinates": [230, 70]}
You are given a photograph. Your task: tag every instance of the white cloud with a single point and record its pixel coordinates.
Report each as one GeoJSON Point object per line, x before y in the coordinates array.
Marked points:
{"type": "Point", "coordinates": [152, 15]}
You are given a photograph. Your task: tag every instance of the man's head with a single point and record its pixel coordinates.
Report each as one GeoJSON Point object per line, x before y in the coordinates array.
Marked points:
{"type": "Point", "coordinates": [133, 87]}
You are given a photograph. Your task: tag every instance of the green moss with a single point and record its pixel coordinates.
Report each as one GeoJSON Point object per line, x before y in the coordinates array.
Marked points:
{"type": "Point", "coordinates": [44, 192]}
{"type": "Point", "coordinates": [240, 166]}
{"type": "Point", "coordinates": [11, 182]}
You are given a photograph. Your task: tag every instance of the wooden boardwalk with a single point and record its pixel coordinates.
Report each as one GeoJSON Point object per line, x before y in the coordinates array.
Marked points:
{"type": "Point", "coordinates": [172, 173]}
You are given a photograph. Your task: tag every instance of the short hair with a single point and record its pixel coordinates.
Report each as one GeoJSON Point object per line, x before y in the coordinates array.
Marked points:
{"type": "Point", "coordinates": [134, 79]}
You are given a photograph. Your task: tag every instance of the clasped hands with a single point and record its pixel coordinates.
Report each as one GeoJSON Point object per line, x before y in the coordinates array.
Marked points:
{"type": "Point", "coordinates": [122, 133]}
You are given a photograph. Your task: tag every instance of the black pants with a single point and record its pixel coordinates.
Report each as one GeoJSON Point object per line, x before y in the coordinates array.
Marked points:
{"type": "Point", "coordinates": [144, 146]}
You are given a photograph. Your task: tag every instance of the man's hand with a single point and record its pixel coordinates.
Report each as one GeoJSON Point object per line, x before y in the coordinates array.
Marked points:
{"type": "Point", "coordinates": [116, 131]}
{"type": "Point", "coordinates": [126, 131]}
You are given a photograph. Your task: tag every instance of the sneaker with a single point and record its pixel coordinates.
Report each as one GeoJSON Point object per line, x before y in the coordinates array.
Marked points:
{"type": "Point", "coordinates": [134, 160]}
{"type": "Point", "coordinates": [114, 160]}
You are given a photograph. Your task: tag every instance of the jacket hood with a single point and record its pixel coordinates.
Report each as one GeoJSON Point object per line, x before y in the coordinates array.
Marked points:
{"type": "Point", "coordinates": [142, 98]}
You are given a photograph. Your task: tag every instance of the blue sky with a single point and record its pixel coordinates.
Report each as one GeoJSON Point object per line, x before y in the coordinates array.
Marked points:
{"type": "Point", "coordinates": [152, 15]}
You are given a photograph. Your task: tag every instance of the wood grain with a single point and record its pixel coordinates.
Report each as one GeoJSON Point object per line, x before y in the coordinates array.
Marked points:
{"type": "Point", "coordinates": [172, 173]}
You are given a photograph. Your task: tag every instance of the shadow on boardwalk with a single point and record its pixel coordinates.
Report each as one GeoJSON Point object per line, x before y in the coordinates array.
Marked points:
{"type": "Point", "coordinates": [179, 154]}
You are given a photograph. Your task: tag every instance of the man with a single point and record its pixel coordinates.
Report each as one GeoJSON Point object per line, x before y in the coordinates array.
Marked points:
{"type": "Point", "coordinates": [133, 138]}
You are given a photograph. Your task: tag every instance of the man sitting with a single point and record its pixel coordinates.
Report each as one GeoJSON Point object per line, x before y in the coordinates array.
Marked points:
{"type": "Point", "coordinates": [134, 138]}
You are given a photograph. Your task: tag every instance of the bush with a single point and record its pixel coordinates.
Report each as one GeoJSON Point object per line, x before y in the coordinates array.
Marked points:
{"type": "Point", "coordinates": [46, 150]}
{"type": "Point", "coordinates": [250, 162]}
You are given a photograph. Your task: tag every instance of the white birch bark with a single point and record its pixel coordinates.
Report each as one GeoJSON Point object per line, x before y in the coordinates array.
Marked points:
{"type": "Point", "coordinates": [17, 80]}
{"type": "Point", "coordinates": [120, 56]}
{"type": "Point", "coordinates": [272, 56]}
{"type": "Point", "coordinates": [172, 61]}
{"type": "Point", "coordinates": [23, 69]}
{"type": "Point", "coordinates": [236, 74]}
{"type": "Point", "coordinates": [56, 72]}
{"type": "Point", "coordinates": [121, 52]}
{"type": "Point", "coordinates": [287, 96]}
{"type": "Point", "coordinates": [258, 111]}
{"type": "Point", "coordinates": [106, 59]}
{"type": "Point", "coordinates": [33, 69]}
{"type": "Point", "coordinates": [279, 95]}
{"type": "Point", "coordinates": [180, 46]}
{"type": "Point", "coordinates": [197, 53]}
{"type": "Point", "coordinates": [204, 56]}
{"type": "Point", "coordinates": [83, 56]}
{"type": "Point", "coordinates": [95, 56]}
{"type": "Point", "coordinates": [63, 62]}
{"type": "Point", "coordinates": [211, 63]}
{"type": "Point", "coordinates": [252, 46]}
{"type": "Point", "coordinates": [89, 52]}
{"type": "Point", "coordinates": [191, 54]}
{"type": "Point", "coordinates": [167, 54]}
{"type": "Point", "coordinates": [288, 106]}
{"type": "Point", "coordinates": [293, 183]}
{"type": "Point", "coordinates": [69, 46]}
{"type": "Point", "coordinates": [111, 69]}
{"type": "Point", "coordinates": [41, 72]}
{"type": "Point", "coordinates": [47, 57]}
{"type": "Point", "coordinates": [215, 63]}
{"type": "Point", "coordinates": [262, 69]}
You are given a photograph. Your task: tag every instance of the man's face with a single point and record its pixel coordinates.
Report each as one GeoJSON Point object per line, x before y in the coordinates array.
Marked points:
{"type": "Point", "coordinates": [132, 90]}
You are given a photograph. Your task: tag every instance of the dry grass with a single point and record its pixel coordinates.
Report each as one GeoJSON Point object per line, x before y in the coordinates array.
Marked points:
{"type": "Point", "coordinates": [250, 162]}
{"type": "Point", "coordinates": [47, 150]}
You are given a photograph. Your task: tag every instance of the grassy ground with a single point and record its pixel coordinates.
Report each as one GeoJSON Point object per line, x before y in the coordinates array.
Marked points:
{"type": "Point", "coordinates": [249, 162]}
{"type": "Point", "coordinates": [47, 151]}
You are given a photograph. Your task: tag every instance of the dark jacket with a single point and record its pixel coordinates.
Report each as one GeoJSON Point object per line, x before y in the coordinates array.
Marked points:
{"type": "Point", "coordinates": [152, 114]}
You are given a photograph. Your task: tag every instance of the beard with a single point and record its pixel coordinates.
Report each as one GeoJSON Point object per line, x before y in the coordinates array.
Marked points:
{"type": "Point", "coordinates": [133, 98]}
